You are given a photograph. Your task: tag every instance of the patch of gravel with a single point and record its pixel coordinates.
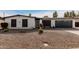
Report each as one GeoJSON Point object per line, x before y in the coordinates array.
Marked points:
{"type": "Point", "coordinates": [50, 38]}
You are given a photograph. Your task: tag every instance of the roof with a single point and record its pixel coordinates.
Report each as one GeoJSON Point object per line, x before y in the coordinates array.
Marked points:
{"type": "Point", "coordinates": [18, 15]}
{"type": "Point", "coordinates": [1, 18]}
{"type": "Point", "coordinates": [67, 18]}
{"type": "Point", "coordinates": [39, 18]}
{"type": "Point", "coordinates": [59, 18]}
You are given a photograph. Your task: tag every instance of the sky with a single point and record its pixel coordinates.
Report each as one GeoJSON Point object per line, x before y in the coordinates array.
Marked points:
{"type": "Point", "coordinates": [37, 13]}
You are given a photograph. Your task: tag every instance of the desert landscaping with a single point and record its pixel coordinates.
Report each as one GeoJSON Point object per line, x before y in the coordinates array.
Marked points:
{"type": "Point", "coordinates": [50, 39]}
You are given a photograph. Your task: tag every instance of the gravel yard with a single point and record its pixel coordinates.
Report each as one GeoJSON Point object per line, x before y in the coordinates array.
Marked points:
{"type": "Point", "coordinates": [32, 40]}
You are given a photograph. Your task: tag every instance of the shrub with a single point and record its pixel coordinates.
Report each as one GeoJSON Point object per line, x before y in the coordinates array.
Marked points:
{"type": "Point", "coordinates": [4, 25]}
{"type": "Point", "coordinates": [22, 31]}
{"type": "Point", "coordinates": [6, 30]}
{"type": "Point", "coordinates": [40, 30]}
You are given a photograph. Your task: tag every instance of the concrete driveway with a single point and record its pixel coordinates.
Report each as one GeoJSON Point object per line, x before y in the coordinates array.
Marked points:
{"type": "Point", "coordinates": [73, 31]}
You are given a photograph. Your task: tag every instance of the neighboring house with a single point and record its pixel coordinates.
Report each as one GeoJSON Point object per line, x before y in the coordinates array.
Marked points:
{"type": "Point", "coordinates": [30, 22]}
{"type": "Point", "coordinates": [20, 22]}
{"type": "Point", "coordinates": [60, 22]}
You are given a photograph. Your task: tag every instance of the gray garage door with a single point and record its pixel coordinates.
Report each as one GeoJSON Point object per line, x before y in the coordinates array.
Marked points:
{"type": "Point", "coordinates": [63, 24]}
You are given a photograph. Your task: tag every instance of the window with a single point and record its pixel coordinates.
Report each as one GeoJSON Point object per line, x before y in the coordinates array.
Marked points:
{"type": "Point", "coordinates": [13, 23]}
{"type": "Point", "coordinates": [76, 24]}
{"type": "Point", "coordinates": [24, 23]}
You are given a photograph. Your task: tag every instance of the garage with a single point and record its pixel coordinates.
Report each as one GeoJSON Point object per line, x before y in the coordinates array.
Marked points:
{"type": "Point", "coordinates": [46, 23]}
{"type": "Point", "coordinates": [63, 24]}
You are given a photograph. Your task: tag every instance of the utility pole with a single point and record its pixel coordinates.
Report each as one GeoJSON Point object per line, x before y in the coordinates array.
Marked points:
{"type": "Point", "coordinates": [3, 14]}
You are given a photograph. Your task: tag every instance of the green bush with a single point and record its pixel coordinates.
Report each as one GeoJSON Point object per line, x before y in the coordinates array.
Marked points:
{"type": "Point", "coordinates": [4, 25]}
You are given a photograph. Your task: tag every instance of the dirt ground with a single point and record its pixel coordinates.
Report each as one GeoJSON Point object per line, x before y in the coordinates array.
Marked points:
{"type": "Point", "coordinates": [55, 39]}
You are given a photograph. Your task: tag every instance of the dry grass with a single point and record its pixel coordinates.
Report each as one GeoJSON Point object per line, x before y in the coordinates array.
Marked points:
{"type": "Point", "coordinates": [54, 39]}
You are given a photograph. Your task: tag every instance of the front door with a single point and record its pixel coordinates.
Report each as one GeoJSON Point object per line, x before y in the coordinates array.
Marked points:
{"type": "Point", "coordinates": [46, 23]}
{"type": "Point", "coordinates": [37, 22]}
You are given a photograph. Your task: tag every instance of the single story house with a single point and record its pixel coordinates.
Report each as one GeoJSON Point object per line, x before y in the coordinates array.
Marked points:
{"type": "Point", "coordinates": [20, 22]}
{"type": "Point", "coordinates": [30, 22]}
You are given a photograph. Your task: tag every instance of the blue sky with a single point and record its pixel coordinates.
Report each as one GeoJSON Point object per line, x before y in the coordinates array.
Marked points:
{"type": "Point", "coordinates": [23, 11]}
{"type": "Point", "coordinates": [37, 13]}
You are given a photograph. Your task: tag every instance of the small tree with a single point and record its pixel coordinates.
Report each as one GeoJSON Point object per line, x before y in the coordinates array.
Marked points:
{"type": "Point", "coordinates": [4, 25]}
{"type": "Point", "coordinates": [72, 14]}
{"type": "Point", "coordinates": [66, 14]}
{"type": "Point", "coordinates": [55, 14]}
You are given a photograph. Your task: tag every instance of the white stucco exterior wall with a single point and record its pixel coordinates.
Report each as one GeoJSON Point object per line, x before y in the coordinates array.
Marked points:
{"type": "Point", "coordinates": [73, 23]}
{"type": "Point", "coordinates": [30, 21]}
{"type": "Point", "coordinates": [40, 21]}
{"type": "Point", "coordinates": [52, 23]}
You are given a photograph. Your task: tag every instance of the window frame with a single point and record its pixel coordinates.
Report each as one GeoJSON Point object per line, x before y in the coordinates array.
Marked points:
{"type": "Point", "coordinates": [76, 24]}
{"type": "Point", "coordinates": [24, 22]}
{"type": "Point", "coordinates": [13, 24]}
